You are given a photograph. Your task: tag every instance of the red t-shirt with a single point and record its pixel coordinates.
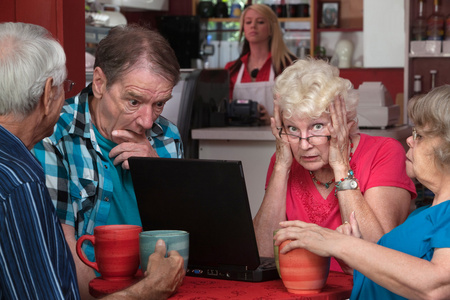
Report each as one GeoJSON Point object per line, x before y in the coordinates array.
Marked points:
{"type": "Point", "coordinates": [263, 73]}
{"type": "Point", "coordinates": [378, 161]}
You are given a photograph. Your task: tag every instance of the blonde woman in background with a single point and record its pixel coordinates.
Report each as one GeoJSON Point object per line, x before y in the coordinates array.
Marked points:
{"type": "Point", "coordinates": [264, 56]}
{"type": "Point", "coordinates": [323, 169]}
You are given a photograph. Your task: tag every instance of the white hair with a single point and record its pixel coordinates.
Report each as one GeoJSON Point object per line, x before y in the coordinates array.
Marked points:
{"type": "Point", "coordinates": [29, 55]}
{"type": "Point", "coordinates": [309, 86]}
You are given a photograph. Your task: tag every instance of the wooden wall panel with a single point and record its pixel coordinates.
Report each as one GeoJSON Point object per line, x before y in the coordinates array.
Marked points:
{"type": "Point", "coordinates": [64, 19]}
{"type": "Point", "coordinates": [351, 13]}
{"type": "Point", "coordinates": [7, 9]}
{"type": "Point", "coordinates": [42, 12]}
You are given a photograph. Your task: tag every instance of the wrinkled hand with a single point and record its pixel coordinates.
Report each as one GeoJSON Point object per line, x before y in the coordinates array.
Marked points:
{"type": "Point", "coordinates": [319, 240]}
{"type": "Point", "coordinates": [339, 130]}
{"type": "Point", "coordinates": [350, 228]}
{"type": "Point", "coordinates": [165, 275]}
{"type": "Point", "coordinates": [130, 144]}
{"type": "Point", "coordinates": [283, 151]}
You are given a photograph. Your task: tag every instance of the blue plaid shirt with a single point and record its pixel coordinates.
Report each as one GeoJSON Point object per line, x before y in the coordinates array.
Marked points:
{"type": "Point", "coordinates": [76, 171]}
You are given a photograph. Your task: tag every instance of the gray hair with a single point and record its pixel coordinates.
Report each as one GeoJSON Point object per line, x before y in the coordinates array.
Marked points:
{"type": "Point", "coordinates": [127, 47]}
{"type": "Point", "coordinates": [431, 114]}
{"type": "Point", "coordinates": [29, 55]}
{"type": "Point", "coordinates": [308, 87]}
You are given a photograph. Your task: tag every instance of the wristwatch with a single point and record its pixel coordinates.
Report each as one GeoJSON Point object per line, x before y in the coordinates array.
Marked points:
{"type": "Point", "coordinates": [348, 184]}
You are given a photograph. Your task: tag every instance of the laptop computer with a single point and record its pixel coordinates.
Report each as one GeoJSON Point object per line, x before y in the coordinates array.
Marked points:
{"type": "Point", "coordinates": [207, 198]}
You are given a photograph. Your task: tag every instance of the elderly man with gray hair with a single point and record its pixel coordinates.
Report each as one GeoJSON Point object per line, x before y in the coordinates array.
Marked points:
{"type": "Point", "coordinates": [35, 260]}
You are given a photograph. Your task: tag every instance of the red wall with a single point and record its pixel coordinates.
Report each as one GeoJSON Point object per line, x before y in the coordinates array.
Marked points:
{"type": "Point", "coordinates": [392, 78]}
{"type": "Point", "coordinates": [64, 19]}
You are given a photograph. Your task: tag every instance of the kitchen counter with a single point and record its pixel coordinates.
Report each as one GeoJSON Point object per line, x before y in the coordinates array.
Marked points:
{"type": "Point", "coordinates": [254, 146]}
{"type": "Point", "coordinates": [264, 133]}
{"type": "Point", "coordinates": [257, 133]}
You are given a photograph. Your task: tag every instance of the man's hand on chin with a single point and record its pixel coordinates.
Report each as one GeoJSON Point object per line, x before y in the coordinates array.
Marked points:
{"type": "Point", "coordinates": [130, 144]}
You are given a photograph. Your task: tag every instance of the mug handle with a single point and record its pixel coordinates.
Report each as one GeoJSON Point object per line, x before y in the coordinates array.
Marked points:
{"type": "Point", "coordinates": [84, 259]}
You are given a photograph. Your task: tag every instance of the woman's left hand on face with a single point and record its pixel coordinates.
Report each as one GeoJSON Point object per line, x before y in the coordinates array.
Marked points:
{"type": "Point", "coordinates": [339, 130]}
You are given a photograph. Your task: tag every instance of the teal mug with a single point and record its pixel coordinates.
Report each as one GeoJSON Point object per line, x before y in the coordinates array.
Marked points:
{"type": "Point", "coordinates": [177, 240]}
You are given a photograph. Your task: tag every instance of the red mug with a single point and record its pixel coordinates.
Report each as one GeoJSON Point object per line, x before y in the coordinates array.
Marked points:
{"type": "Point", "coordinates": [116, 249]}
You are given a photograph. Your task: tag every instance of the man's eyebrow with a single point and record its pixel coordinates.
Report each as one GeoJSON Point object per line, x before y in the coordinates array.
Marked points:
{"type": "Point", "coordinates": [165, 99]}
{"type": "Point", "coordinates": [133, 94]}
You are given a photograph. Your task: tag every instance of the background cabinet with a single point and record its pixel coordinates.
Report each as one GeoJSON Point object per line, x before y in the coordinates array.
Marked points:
{"type": "Point", "coordinates": [422, 64]}
{"type": "Point", "coordinates": [350, 28]}
{"type": "Point", "coordinates": [376, 28]}
{"type": "Point", "coordinates": [357, 17]}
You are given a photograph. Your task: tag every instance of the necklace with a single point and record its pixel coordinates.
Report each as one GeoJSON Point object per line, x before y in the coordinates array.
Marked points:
{"type": "Point", "coordinates": [254, 73]}
{"type": "Point", "coordinates": [327, 184]}
{"type": "Point", "coordinates": [255, 67]}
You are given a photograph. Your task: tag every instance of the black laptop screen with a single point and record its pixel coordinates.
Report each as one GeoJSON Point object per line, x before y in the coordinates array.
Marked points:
{"type": "Point", "coordinates": [207, 198]}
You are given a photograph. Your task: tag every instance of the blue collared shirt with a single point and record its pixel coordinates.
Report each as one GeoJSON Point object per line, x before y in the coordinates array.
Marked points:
{"type": "Point", "coordinates": [35, 260]}
{"type": "Point", "coordinates": [77, 174]}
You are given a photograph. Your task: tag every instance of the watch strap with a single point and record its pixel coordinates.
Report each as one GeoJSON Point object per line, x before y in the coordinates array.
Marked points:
{"type": "Point", "coordinates": [348, 183]}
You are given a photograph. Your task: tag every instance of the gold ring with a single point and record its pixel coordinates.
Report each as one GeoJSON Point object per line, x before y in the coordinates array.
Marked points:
{"type": "Point", "coordinates": [345, 223]}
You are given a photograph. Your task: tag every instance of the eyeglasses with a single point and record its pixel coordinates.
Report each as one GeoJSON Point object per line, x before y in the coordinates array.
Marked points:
{"type": "Point", "coordinates": [68, 85]}
{"type": "Point", "coordinates": [415, 135]}
{"type": "Point", "coordinates": [315, 140]}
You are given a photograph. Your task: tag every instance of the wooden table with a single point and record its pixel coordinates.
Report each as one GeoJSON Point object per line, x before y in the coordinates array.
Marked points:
{"type": "Point", "coordinates": [338, 287]}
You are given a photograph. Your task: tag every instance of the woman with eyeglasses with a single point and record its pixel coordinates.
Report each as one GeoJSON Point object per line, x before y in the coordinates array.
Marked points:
{"type": "Point", "coordinates": [264, 55]}
{"type": "Point", "coordinates": [412, 261]}
{"type": "Point", "coordinates": [323, 169]}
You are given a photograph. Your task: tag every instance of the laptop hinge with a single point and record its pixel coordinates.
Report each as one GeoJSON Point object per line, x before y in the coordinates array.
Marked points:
{"type": "Point", "coordinates": [233, 268]}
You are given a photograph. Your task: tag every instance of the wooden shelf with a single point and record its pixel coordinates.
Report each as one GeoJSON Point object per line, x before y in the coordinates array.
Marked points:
{"type": "Point", "coordinates": [282, 20]}
{"type": "Point", "coordinates": [222, 20]}
{"type": "Point", "coordinates": [441, 55]}
{"type": "Point", "coordinates": [416, 64]}
{"type": "Point", "coordinates": [339, 29]}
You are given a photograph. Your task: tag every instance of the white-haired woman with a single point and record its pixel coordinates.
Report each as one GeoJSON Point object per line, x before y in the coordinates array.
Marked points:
{"type": "Point", "coordinates": [323, 168]}
{"type": "Point", "coordinates": [412, 261]}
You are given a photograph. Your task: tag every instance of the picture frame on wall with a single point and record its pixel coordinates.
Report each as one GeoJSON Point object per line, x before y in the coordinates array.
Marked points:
{"type": "Point", "coordinates": [329, 14]}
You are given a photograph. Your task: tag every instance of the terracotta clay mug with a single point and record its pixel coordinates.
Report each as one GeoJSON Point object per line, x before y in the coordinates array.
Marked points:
{"type": "Point", "coordinates": [116, 249]}
{"type": "Point", "coordinates": [302, 271]}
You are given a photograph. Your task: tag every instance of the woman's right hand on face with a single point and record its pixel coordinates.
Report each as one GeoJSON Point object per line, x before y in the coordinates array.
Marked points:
{"type": "Point", "coordinates": [283, 151]}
